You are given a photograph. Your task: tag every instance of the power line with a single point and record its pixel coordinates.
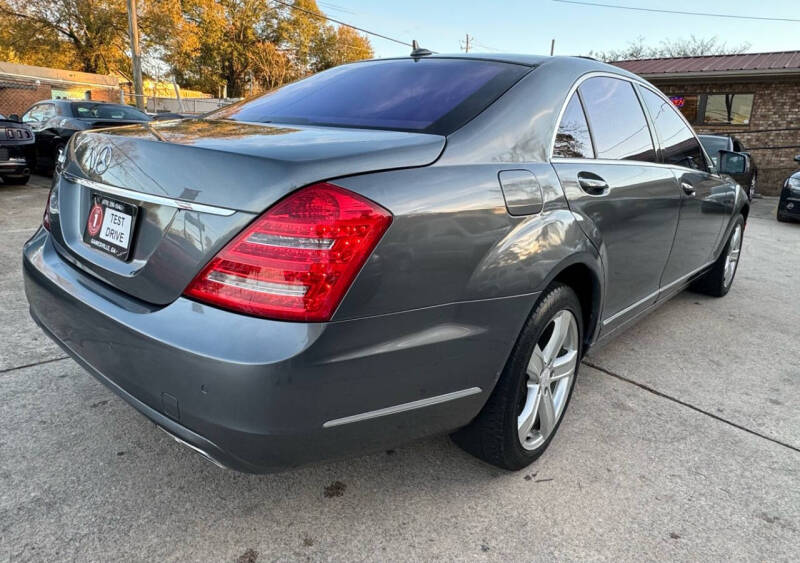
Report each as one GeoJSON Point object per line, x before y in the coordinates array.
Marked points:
{"type": "Point", "coordinates": [678, 12]}
{"type": "Point", "coordinates": [323, 17]}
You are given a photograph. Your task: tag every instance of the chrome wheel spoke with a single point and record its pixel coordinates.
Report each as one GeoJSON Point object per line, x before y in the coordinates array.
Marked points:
{"type": "Point", "coordinates": [547, 413]}
{"type": "Point", "coordinates": [527, 417]}
{"type": "Point", "coordinates": [536, 364]}
{"type": "Point", "coordinates": [564, 366]}
{"type": "Point", "coordinates": [561, 327]}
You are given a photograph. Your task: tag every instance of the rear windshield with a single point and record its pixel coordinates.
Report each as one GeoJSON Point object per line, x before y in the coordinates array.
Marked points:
{"type": "Point", "coordinates": [107, 111]}
{"type": "Point", "coordinates": [426, 95]}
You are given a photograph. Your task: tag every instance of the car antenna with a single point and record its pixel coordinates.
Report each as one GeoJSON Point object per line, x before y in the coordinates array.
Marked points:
{"type": "Point", "coordinates": [417, 51]}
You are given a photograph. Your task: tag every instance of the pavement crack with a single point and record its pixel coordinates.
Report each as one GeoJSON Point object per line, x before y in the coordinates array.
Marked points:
{"type": "Point", "coordinates": [34, 364]}
{"type": "Point", "coordinates": [689, 405]}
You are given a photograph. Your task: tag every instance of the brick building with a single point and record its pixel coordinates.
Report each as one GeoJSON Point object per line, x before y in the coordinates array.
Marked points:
{"type": "Point", "coordinates": [755, 97]}
{"type": "Point", "coordinates": [23, 85]}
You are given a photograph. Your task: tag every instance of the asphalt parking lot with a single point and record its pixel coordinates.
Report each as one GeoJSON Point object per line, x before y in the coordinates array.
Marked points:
{"type": "Point", "coordinates": [682, 442]}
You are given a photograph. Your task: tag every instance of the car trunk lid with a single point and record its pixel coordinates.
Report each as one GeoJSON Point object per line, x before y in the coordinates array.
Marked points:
{"type": "Point", "coordinates": [197, 183]}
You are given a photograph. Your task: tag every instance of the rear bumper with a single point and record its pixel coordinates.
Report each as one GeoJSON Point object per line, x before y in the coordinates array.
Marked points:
{"type": "Point", "coordinates": [258, 395]}
{"type": "Point", "coordinates": [14, 167]}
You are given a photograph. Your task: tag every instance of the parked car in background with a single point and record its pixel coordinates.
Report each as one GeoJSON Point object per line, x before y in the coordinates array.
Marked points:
{"type": "Point", "coordinates": [55, 121]}
{"type": "Point", "coordinates": [789, 202]}
{"type": "Point", "coordinates": [382, 251]}
{"type": "Point", "coordinates": [715, 143]}
{"type": "Point", "coordinates": [16, 151]}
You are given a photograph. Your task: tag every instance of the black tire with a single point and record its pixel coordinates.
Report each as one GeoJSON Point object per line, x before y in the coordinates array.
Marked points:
{"type": "Point", "coordinates": [16, 180]}
{"type": "Point", "coordinates": [713, 282]}
{"type": "Point", "coordinates": [493, 435]}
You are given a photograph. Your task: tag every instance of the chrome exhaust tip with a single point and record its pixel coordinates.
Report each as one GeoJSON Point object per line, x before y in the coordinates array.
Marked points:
{"type": "Point", "coordinates": [203, 453]}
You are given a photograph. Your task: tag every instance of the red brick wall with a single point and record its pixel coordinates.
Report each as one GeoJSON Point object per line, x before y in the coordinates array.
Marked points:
{"type": "Point", "coordinates": [773, 135]}
{"type": "Point", "coordinates": [17, 100]}
{"type": "Point", "coordinates": [106, 95]}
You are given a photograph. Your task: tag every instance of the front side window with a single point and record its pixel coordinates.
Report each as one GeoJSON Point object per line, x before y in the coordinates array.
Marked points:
{"type": "Point", "coordinates": [679, 146]}
{"type": "Point", "coordinates": [616, 119]}
{"type": "Point", "coordinates": [573, 139]}
{"type": "Point", "coordinates": [427, 95]}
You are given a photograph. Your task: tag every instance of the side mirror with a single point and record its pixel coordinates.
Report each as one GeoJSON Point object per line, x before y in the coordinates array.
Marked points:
{"type": "Point", "coordinates": [13, 117]}
{"type": "Point", "coordinates": [797, 158]}
{"type": "Point", "coordinates": [733, 163]}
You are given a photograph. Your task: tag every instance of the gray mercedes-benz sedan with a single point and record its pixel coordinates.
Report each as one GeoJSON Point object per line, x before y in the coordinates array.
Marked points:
{"type": "Point", "coordinates": [386, 250]}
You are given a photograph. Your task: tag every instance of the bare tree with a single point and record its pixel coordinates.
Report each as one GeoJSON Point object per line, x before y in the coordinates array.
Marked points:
{"type": "Point", "coordinates": [681, 47]}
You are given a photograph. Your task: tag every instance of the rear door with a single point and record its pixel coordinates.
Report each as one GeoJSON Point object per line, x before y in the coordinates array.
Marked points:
{"type": "Point", "coordinates": [706, 198]}
{"type": "Point", "coordinates": [627, 204]}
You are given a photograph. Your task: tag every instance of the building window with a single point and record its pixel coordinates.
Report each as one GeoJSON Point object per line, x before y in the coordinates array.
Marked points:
{"type": "Point", "coordinates": [728, 109]}
{"type": "Point", "coordinates": [715, 109]}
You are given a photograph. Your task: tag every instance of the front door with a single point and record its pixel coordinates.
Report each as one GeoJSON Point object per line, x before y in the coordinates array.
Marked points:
{"type": "Point", "coordinates": [706, 198]}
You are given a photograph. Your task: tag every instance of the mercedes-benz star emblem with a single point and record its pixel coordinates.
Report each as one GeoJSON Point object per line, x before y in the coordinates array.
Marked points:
{"type": "Point", "coordinates": [102, 160]}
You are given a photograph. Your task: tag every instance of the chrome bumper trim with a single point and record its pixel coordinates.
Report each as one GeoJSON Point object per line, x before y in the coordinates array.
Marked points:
{"type": "Point", "coordinates": [403, 407]}
{"type": "Point", "coordinates": [150, 198]}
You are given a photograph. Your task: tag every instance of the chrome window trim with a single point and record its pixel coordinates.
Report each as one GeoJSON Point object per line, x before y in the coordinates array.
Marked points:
{"type": "Point", "coordinates": [403, 407]}
{"type": "Point", "coordinates": [150, 198]}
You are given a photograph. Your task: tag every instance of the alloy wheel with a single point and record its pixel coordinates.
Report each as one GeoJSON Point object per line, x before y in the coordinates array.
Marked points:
{"type": "Point", "coordinates": [732, 259]}
{"type": "Point", "coordinates": [551, 371]}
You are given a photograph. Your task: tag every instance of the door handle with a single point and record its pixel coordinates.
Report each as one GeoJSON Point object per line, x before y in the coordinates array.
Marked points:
{"type": "Point", "coordinates": [592, 185]}
{"type": "Point", "coordinates": [688, 189]}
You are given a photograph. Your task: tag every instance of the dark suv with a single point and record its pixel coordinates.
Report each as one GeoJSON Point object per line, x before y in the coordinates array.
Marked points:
{"type": "Point", "coordinates": [716, 143]}
{"type": "Point", "coordinates": [16, 142]}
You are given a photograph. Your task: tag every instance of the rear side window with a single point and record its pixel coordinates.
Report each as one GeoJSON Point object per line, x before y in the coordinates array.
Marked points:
{"type": "Point", "coordinates": [573, 139]}
{"type": "Point", "coordinates": [679, 146]}
{"type": "Point", "coordinates": [618, 124]}
{"type": "Point", "coordinates": [426, 95]}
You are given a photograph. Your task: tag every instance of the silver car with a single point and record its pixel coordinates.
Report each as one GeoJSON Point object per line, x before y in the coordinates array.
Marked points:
{"type": "Point", "coordinates": [383, 251]}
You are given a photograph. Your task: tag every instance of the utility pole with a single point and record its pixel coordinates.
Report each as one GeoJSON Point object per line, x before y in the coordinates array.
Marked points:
{"type": "Point", "coordinates": [466, 44]}
{"type": "Point", "coordinates": [136, 57]}
{"type": "Point", "coordinates": [552, 46]}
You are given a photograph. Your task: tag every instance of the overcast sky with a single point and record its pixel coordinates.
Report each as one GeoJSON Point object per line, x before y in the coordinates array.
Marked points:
{"type": "Point", "coordinates": [521, 26]}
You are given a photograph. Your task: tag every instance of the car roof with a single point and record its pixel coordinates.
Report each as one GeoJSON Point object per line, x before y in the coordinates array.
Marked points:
{"type": "Point", "coordinates": [578, 64]}
{"type": "Point", "coordinates": [706, 136]}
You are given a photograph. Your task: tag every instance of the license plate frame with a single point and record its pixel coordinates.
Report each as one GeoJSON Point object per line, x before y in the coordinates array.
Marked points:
{"type": "Point", "coordinates": [110, 226]}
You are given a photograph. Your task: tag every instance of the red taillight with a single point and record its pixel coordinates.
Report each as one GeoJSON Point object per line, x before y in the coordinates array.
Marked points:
{"type": "Point", "coordinates": [298, 259]}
